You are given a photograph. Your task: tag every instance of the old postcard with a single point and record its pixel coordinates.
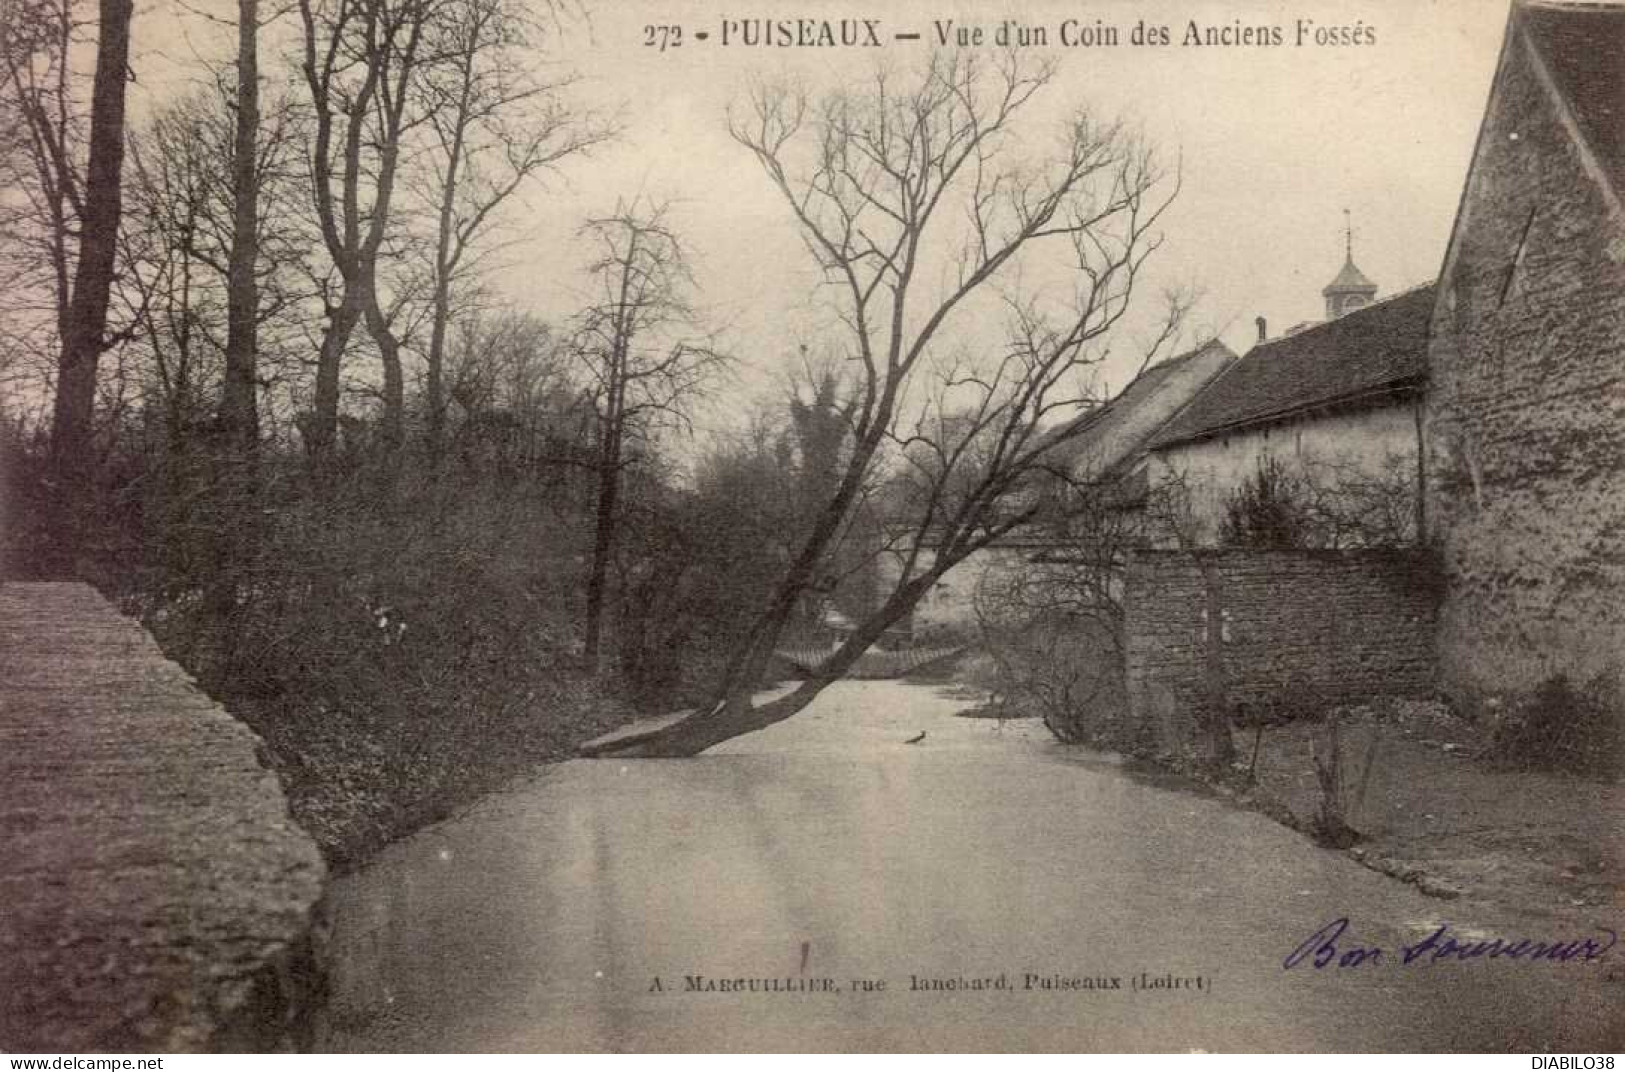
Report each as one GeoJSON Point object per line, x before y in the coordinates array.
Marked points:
{"type": "Point", "coordinates": [957, 525]}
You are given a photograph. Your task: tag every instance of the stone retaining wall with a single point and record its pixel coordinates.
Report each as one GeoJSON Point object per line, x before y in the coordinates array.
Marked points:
{"type": "Point", "coordinates": [157, 897]}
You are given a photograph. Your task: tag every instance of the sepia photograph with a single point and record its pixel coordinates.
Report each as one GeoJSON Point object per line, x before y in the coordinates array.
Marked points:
{"type": "Point", "coordinates": [812, 526]}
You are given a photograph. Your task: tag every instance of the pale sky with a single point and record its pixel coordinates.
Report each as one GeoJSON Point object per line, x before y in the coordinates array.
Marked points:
{"type": "Point", "coordinates": [1275, 142]}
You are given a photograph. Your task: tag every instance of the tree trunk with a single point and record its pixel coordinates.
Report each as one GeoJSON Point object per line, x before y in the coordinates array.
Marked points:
{"type": "Point", "coordinates": [609, 469]}
{"type": "Point", "coordinates": [86, 334]}
{"type": "Point", "coordinates": [603, 544]}
{"type": "Point", "coordinates": [324, 426]}
{"type": "Point", "coordinates": [353, 236]}
{"type": "Point", "coordinates": [238, 485]}
{"type": "Point", "coordinates": [746, 668]}
{"type": "Point", "coordinates": [239, 413]}
{"type": "Point", "coordinates": [445, 258]}
{"type": "Point", "coordinates": [736, 714]}
{"type": "Point", "coordinates": [435, 388]}
{"type": "Point", "coordinates": [389, 353]}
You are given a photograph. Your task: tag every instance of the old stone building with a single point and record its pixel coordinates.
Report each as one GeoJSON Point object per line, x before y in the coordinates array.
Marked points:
{"type": "Point", "coordinates": [1525, 415]}
{"type": "Point", "coordinates": [1336, 406]}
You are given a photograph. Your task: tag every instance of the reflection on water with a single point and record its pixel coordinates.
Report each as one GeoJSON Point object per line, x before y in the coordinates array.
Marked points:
{"type": "Point", "coordinates": [568, 912]}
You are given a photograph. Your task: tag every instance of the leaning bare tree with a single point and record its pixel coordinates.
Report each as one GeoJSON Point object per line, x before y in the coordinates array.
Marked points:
{"type": "Point", "coordinates": [917, 207]}
{"type": "Point", "coordinates": [646, 361]}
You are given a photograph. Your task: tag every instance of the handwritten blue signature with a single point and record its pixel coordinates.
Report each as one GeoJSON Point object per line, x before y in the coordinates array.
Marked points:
{"type": "Point", "coordinates": [1322, 949]}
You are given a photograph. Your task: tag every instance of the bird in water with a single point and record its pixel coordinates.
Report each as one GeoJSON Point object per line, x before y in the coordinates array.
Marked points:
{"type": "Point", "coordinates": [916, 739]}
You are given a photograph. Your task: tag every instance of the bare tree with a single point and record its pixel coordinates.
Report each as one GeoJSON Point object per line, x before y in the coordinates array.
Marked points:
{"type": "Point", "coordinates": [44, 161]}
{"type": "Point", "coordinates": [71, 207]}
{"type": "Point", "coordinates": [509, 378]}
{"type": "Point", "coordinates": [184, 255]}
{"type": "Point", "coordinates": [494, 125]}
{"type": "Point", "coordinates": [645, 359]}
{"type": "Point", "coordinates": [235, 536]}
{"type": "Point", "coordinates": [360, 61]}
{"type": "Point", "coordinates": [876, 180]}
{"type": "Point", "coordinates": [239, 410]}
{"type": "Point", "coordinates": [176, 242]}
{"type": "Point", "coordinates": [86, 330]}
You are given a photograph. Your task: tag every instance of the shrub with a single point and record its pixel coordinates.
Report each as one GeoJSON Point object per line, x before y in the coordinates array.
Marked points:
{"type": "Point", "coordinates": [1561, 727]}
{"type": "Point", "coordinates": [1343, 773]}
{"type": "Point", "coordinates": [1068, 670]}
{"type": "Point", "coordinates": [1266, 510]}
{"type": "Point", "coordinates": [981, 670]}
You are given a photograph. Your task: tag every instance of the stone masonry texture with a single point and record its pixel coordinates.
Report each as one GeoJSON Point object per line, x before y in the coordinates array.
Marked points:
{"type": "Point", "coordinates": [1525, 420]}
{"type": "Point", "coordinates": [157, 897]}
{"type": "Point", "coordinates": [1351, 625]}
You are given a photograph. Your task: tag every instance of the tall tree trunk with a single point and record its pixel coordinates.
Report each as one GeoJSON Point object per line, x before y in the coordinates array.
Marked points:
{"type": "Point", "coordinates": [86, 334]}
{"type": "Point", "coordinates": [603, 544]}
{"type": "Point", "coordinates": [609, 460]}
{"type": "Point", "coordinates": [234, 512]}
{"type": "Point", "coordinates": [239, 412]}
{"type": "Point", "coordinates": [353, 235]}
{"type": "Point", "coordinates": [445, 257]}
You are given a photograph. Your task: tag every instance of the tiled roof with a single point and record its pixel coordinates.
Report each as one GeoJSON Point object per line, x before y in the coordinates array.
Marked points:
{"type": "Point", "coordinates": [1381, 347]}
{"type": "Point", "coordinates": [1584, 48]}
{"type": "Point", "coordinates": [1102, 426]}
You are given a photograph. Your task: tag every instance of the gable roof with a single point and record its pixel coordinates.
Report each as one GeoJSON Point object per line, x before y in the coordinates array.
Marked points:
{"type": "Point", "coordinates": [1374, 350]}
{"type": "Point", "coordinates": [1584, 49]}
{"type": "Point", "coordinates": [1108, 438]}
{"type": "Point", "coordinates": [1100, 445]}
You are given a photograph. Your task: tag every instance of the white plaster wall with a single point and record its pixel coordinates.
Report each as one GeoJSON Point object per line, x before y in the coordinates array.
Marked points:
{"type": "Point", "coordinates": [951, 602]}
{"type": "Point", "coordinates": [1368, 444]}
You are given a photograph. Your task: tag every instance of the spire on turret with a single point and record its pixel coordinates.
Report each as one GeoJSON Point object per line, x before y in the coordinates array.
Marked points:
{"type": "Point", "coordinates": [1351, 289]}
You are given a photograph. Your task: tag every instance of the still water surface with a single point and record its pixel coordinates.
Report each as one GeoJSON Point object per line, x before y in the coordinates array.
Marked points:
{"type": "Point", "coordinates": [984, 889]}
